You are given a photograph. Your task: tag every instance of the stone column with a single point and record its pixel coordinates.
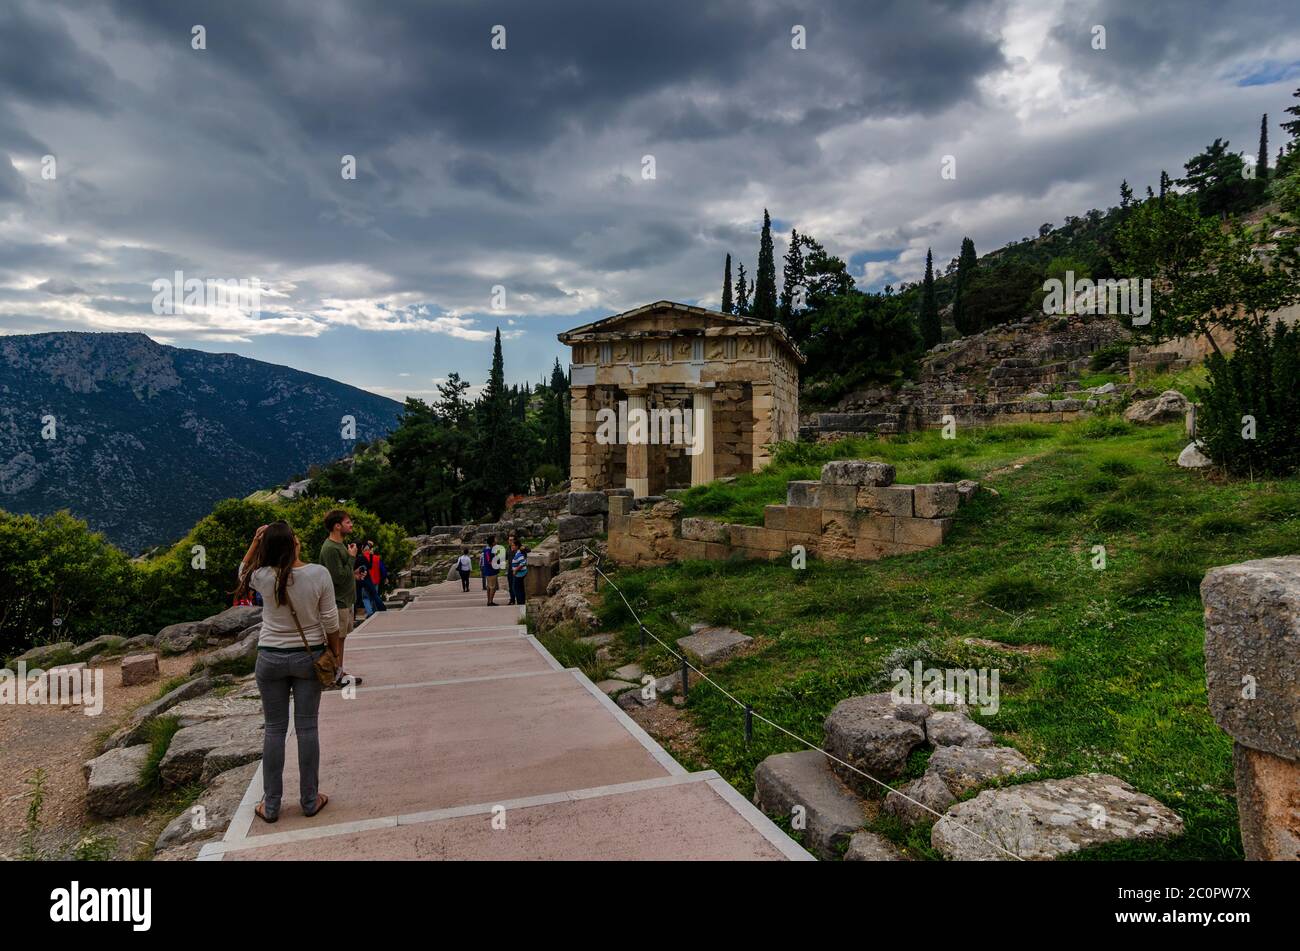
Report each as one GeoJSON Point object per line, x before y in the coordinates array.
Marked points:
{"type": "Point", "coordinates": [583, 451]}
{"type": "Point", "coordinates": [702, 425]}
{"type": "Point", "coordinates": [1252, 669]}
{"type": "Point", "coordinates": [764, 403]}
{"type": "Point", "coordinates": [638, 452]}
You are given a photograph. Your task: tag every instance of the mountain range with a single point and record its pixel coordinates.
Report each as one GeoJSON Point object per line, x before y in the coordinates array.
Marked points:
{"type": "Point", "coordinates": [140, 439]}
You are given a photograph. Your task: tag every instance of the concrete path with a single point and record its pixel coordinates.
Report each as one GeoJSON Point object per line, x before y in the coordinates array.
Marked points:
{"type": "Point", "coordinates": [468, 740]}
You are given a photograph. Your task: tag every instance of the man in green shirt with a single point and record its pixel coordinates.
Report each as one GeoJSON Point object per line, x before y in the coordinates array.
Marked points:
{"type": "Point", "coordinates": [339, 558]}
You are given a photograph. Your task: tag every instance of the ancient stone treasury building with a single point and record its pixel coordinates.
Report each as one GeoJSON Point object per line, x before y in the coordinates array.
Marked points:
{"type": "Point", "coordinates": [669, 396]}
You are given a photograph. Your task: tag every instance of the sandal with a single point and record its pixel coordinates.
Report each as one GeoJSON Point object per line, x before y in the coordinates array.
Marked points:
{"type": "Point", "coordinates": [261, 814]}
{"type": "Point", "coordinates": [322, 801]}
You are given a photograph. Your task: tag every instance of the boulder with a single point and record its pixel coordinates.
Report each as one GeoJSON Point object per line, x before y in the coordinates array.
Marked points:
{"type": "Point", "coordinates": [1193, 458]}
{"type": "Point", "coordinates": [869, 847]}
{"type": "Point", "coordinates": [1051, 818]}
{"type": "Point", "coordinates": [955, 729]}
{"type": "Point", "coordinates": [1168, 407]}
{"type": "Point", "coordinates": [138, 642]}
{"type": "Point", "coordinates": [964, 768]}
{"type": "Point", "coordinates": [567, 600]}
{"type": "Point", "coordinates": [210, 707]}
{"type": "Point", "coordinates": [873, 737]}
{"type": "Point", "coordinates": [913, 802]}
{"type": "Point", "coordinates": [178, 638]}
{"type": "Point", "coordinates": [139, 669]}
{"type": "Point", "coordinates": [612, 687]}
{"type": "Point", "coordinates": [234, 620]}
{"type": "Point", "coordinates": [243, 649]}
{"type": "Point", "coordinates": [230, 742]}
{"type": "Point", "coordinates": [712, 645]}
{"type": "Point", "coordinates": [211, 813]}
{"type": "Point", "coordinates": [45, 654]}
{"type": "Point", "coordinates": [113, 782]}
{"type": "Point", "coordinates": [1104, 389]}
{"type": "Point", "coordinates": [588, 503]}
{"type": "Point", "coordinates": [453, 573]}
{"type": "Point", "coordinates": [133, 730]}
{"type": "Point", "coordinates": [857, 472]}
{"type": "Point", "coordinates": [104, 644]}
{"type": "Point", "coordinates": [830, 812]}
{"type": "Point", "coordinates": [572, 527]}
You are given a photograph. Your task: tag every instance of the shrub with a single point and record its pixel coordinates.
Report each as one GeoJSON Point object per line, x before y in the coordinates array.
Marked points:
{"type": "Point", "coordinates": [1064, 502]}
{"type": "Point", "coordinates": [951, 472]}
{"type": "Point", "coordinates": [1111, 353]}
{"type": "Point", "coordinates": [1013, 592]}
{"type": "Point", "coordinates": [1116, 516]}
{"type": "Point", "coordinates": [1104, 427]}
{"type": "Point", "coordinates": [1260, 380]}
{"type": "Point", "coordinates": [1117, 467]}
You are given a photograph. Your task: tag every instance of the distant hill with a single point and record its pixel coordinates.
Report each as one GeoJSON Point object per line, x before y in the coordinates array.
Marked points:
{"type": "Point", "coordinates": [148, 437]}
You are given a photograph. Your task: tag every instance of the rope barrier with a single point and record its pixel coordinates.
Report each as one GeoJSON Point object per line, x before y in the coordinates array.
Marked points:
{"type": "Point", "coordinates": [751, 714]}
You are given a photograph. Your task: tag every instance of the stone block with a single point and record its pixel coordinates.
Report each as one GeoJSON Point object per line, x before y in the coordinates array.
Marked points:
{"type": "Point", "coordinates": [139, 669]}
{"type": "Point", "coordinates": [580, 526]}
{"type": "Point", "coordinates": [1252, 652]}
{"type": "Point", "coordinates": [921, 532]}
{"type": "Point", "coordinates": [831, 812]}
{"type": "Point", "coordinates": [886, 500]}
{"type": "Point", "coordinates": [937, 499]}
{"type": "Point", "coordinates": [857, 472]}
{"type": "Point", "coordinates": [705, 530]}
{"type": "Point", "coordinates": [774, 517]}
{"type": "Point", "coordinates": [802, 520]}
{"type": "Point", "coordinates": [837, 498]}
{"type": "Point", "coordinates": [619, 524]}
{"type": "Point", "coordinates": [874, 735]}
{"type": "Point", "coordinates": [713, 645]}
{"type": "Point", "coordinates": [619, 505]}
{"type": "Point", "coordinates": [1267, 787]}
{"type": "Point", "coordinates": [113, 782]}
{"type": "Point", "coordinates": [587, 503]}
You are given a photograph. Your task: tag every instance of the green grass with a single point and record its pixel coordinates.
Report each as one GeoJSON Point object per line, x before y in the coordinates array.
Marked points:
{"type": "Point", "coordinates": [1120, 687]}
{"type": "Point", "coordinates": [161, 731]}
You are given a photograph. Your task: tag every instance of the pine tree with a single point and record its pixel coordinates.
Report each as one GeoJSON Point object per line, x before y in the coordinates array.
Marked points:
{"type": "Point", "coordinates": [727, 306]}
{"type": "Point", "coordinates": [764, 305]}
{"type": "Point", "coordinates": [1292, 127]}
{"type": "Point", "coordinates": [931, 329]}
{"type": "Point", "coordinates": [1125, 194]}
{"type": "Point", "coordinates": [1261, 163]}
{"type": "Point", "coordinates": [792, 278]}
{"type": "Point", "coordinates": [1165, 182]}
{"type": "Point", "coordinates": [496, 464]}
{"type": "Point", "coordinates": [742, 293]}
{"type": "Point", "coordinates": [965, 322]}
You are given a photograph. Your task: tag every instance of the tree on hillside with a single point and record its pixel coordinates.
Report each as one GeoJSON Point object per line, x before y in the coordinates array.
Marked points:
{"type": "Point", "coordinates": [966, 265]}
{"type": "Point", "coordinates": [495, 453]}
{"type": "Point", "coordinates": [931, 329]}
{"type": "Point", "coordinates": [764, 304]}
{"type": "Point", "coordinates": [555, 422]}
{"type": "Point", "coordinates": [792, 278]}
{"type": "Point", "coordinates": [1261, 162]}
{"type": "Point", "coordinates": [1288, 157]}
{"type": "Point", "coordinates": [727, 305]}
{"type": "Point", "coordinates": [1125, 195]}
{"type": "Point", "coordinates": [742, 293]}
{"type": "Point", "coordinates": [1215, 177]}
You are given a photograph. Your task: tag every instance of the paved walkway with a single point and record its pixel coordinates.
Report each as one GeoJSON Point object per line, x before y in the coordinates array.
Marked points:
{"type": "Point", "coordinates": [465, 724]}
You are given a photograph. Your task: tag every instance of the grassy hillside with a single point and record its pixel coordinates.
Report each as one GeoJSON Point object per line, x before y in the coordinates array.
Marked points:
{"type": "Point", "coordinates": [1103, 669]}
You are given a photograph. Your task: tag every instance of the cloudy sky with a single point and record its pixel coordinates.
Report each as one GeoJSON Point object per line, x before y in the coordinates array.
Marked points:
{"type": "Point", "coordinates": [524, 167]}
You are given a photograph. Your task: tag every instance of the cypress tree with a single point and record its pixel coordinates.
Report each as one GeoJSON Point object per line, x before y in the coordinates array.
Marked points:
{"type": "Point", "coordinates": [931, 329]}
{"type": "Point", "coordinates": [965, 322]}
{"type": "Point", "coordinates": [764, 305]}
{"type": "Point", "coordinates": [742, 293]}
{"type": "Point", "coordinates": [1164, 184]}
{"type": "Point", "coordinates": [726, 287]}
{"type": "Point", "coordinates": [1261, 163]}
{"type": "Point", "coordinates": [792, 278]}
{"type": "Point", "coordinates": [1292, 127]}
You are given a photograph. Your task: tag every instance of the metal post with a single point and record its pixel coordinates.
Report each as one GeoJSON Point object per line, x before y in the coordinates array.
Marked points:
{"type": "Point", "coordinates": [749, 723]}
{"type": "Point", "coordinates": [685, 678]}
{"type": "Point", "coordinates": [643, 633]}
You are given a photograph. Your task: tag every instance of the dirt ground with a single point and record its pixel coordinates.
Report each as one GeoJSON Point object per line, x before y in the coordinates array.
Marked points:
{"type": "Point", "coordinates": [60, 740]}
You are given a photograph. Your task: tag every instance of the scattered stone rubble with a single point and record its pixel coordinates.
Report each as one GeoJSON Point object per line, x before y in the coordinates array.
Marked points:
{"type": "Point", "coordinates": [876, 734]}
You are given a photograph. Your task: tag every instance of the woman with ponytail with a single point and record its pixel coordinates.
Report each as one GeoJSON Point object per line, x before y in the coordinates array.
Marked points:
{"type": "Point", "coordinates": [299, 620]}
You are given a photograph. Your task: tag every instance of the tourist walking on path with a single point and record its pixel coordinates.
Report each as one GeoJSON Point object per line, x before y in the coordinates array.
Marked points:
{"type": "Point", "coordinates": [464, 565]}
{"type": "Point", "coordinates": [300, 620]}
{"type": "Point", "coordinates": [489, 569]}
{"type": "Point", "coordinates": [378, 576]}
{"type": "Point", "coordinates": [518, 571]}
{"type": "Point", "coordinates": [337, 558]}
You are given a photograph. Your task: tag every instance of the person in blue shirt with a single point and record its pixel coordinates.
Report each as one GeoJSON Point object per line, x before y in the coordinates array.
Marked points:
{"type": "Point", "coordinates": [489, 569]}
{"type": "Point", "coordinates": [518, 569]}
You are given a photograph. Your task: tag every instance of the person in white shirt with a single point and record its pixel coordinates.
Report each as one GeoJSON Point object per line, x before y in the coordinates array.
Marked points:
{"type": "Point", "coordinates": [287, 648]}
{"type": "Point", "coordinates": [463, 565]}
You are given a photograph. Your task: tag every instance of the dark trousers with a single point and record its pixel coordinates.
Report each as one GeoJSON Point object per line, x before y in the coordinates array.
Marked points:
{"type": "Point", "coordinates": [464, 580]}
{"type": "Point", "coordinates": [279, 675]}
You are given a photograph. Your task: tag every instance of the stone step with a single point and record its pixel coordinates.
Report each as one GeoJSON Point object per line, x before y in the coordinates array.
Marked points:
{"type": "Point", "coordinates": [801, 787]}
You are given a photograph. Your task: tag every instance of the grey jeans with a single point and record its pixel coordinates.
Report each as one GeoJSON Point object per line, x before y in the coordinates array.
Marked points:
{"type": "Point", "coordinates": [279, 675]}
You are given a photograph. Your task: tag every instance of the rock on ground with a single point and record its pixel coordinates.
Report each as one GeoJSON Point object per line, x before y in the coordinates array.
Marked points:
{"type": "Point", "coordinates": [41, 656]}
{"type": "Point", "coordinates": [139, 668]}
{"type": "Point", "coordinates": [113, 782]}
{"type": "Point", "coordinates": [1170, 406]}
{"type": "Point", "coordinates": [233, 620]}
{"type": "Point", "coordinates": [566, 600]}
{"type": "Point", "coordinates": [1051, 818]}
{"type": "Point", "coordinates": [908, 802]}
{"type": "Point", "coordinates": [209, 707]}
{"type": "Point", "coordinates": [1192, 458]}
{"type": "Point", "coordinates": [242, 649]}
{"type": "Point", "coordinates": [712, 645]}
{"type": "Point", "coordinates": [200, 752]}
{"type": "Point", "coordinates": [216, 808]}
{"type": "Point", "coordinates": [869, 847]}
{"type": "Point", "coordinates": [955, 729]}
{"type": "Point", "coordinates": [831, 812]}
{"type": "Point", "coordinates": [133, 730]}
{"type": "Point", "coordinates": [963, 768]}
{"type": "Point", "coordinates": [873, 735]}
{"type": "Point", "coordinates": [857, 472]}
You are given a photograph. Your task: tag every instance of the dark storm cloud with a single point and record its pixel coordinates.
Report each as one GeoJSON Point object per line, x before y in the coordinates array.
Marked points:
{"type": "Point", "coordinates": [42, 65]}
